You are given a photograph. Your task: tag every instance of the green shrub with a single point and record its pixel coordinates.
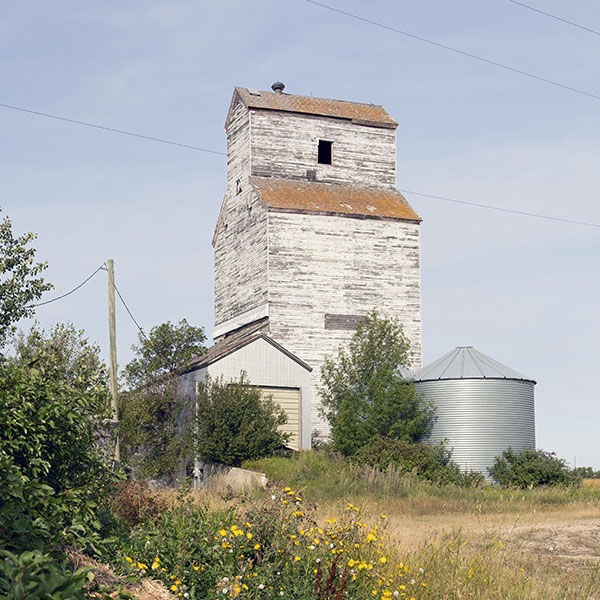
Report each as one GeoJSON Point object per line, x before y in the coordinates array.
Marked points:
{"type": "Point", "coordinates": [428, 462]}
{"type": "Point", "coordinates": [235, 423]}
{"type": "Point", "coordinates": [532, 468]}
{"type": "Point", "coordinates": [32, 575]}
{"type": "Point", "coordinates": [53, 472]}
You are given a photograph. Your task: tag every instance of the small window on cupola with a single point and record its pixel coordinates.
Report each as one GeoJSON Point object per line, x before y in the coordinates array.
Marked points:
{"type": "Point", "coordinates": [325, 152]}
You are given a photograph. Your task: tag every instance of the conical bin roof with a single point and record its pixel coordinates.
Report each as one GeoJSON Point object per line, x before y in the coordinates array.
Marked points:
{"type": "Point", "coordinates": [465, 362]}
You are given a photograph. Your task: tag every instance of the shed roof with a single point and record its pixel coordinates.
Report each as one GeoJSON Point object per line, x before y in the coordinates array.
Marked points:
{"type": "Point", "coordinates": [464, 362]}
{"type": "Point", "coordinates": [236, 340]}
{"type": "Point", "coordinates": [363, 114]}
{"type": "Point", "coordinates": [324, 198]}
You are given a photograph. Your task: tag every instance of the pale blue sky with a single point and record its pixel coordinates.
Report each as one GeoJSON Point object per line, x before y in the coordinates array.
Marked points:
{"type": "Point", "coordinates": [525, 291]}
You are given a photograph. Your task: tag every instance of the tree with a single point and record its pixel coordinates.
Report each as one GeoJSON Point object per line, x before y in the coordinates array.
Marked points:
{"type": "Point", "coordinates": [235, 423]}
{"type": "Point", "coordinates": [154, 440]}
{"type": "Point", "coordinates": [363, 391]}
{"type": "Point", "coordinates": [72, 354]}
{"type": "Point", "coordinates": [20, 284]}
{"type": "Point", "coordinates": [166, 348]}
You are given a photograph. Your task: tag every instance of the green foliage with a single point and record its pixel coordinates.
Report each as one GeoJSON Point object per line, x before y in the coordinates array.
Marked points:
{"type": "Point", "coordinates": [20, 284]}
{"type": "Point", "coordinates": [167, 347]}
{"type": "Point", "coordinates": [153, 441]}
{"type": "Point", "coordinates": [586, 473]}
{"type": "Point", "coordinates": [75, 361]}
{"type": "Point", "coordinates": [32, 575]}
{"type": "Point", "coordinates": [270, 549]}
{"type": "Point", "coordinates": [234, 423]}
{"type": "Point", "coordinates": [428, 462]}
{"type": "Point", "coordinates": [532, 468]}
{"type": "Point", "coordinates": [53, 472]}
{"type": "Point", "coordinates": [363, 392]}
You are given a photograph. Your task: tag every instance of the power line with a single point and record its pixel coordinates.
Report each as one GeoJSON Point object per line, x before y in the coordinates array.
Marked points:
{"type": "Point", "coordinates": [547, 14]}
{"type": "Point", "coordinates": [111, 129]}
{"type": "Point", "coordinates": [101, 267]}
{"type": "Point", "coordinates": [457, 51]}
{"type": "Point", "coordinates": [157, 350]}
{"type": "Point", "coordinates": [131, 315]}
{"type": "Point", "coordinates": [501, 209]}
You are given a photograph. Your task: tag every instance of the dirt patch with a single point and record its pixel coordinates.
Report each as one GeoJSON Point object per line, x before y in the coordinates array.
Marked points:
{"type": "Point", "coordinates": [568, 543]}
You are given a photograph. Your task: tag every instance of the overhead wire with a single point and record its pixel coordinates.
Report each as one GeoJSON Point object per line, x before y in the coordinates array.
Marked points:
{"type": "Point", "coordinates": [502, 209]}
{"type": "Point", "coordinates": [111, 129]}
{"type": "Point", "coordinates": [457, 50]}
{"type": "Point", "coordinates": [556, 17]}
{"type": "Point", "coordinates": [143, 333]}
{"type": "Point", "coordinates": [100, 268]}
{"type": "Point", "coordinates": [378, 24]}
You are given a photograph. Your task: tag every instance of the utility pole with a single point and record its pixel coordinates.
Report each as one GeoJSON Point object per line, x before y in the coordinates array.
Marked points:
{"type": "Point", "coordinates": [112, 329]}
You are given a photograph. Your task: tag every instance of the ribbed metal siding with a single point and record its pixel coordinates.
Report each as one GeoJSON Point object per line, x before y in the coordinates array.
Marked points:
{"type": "Point", "coordinates": [480, 418]}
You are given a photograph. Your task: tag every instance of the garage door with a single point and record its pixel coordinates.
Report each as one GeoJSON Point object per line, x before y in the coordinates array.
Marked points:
{"type": "Point", "coordinates": [289, 400]}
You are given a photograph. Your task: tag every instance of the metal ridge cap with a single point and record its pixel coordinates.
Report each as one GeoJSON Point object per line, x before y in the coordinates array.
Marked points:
{"type": "Point", "coordinates": [482, 378]}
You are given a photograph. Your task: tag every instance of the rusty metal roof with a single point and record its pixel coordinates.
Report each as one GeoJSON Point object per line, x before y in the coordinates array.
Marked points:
{"type": "Point", "coordinates": [325, 198]}
{"type": "Point", "coordinates": [363, 114]}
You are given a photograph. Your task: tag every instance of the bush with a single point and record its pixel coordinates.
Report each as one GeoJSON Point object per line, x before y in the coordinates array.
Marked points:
{"type": "Point", "coordinates": [133, 504]}
{"type": "Point", "coordinates": [36, 576]}
{"type": "Point", "coordinates": [431, 463]}
{"type": "Point", "coordinates": [364, 394]}
{"type": "Point", "coordinates": [53, 472]}
{"type": "Point", "coordinates": [532, 468]}
{"type": "Point", "coordinates": [235, 423]}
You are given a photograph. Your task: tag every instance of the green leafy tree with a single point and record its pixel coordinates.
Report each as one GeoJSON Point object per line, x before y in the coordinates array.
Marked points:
{"type": "Point", "coordinates": [155, 440]}
{"type": "Point", "coordinates": [75, 360]}
{"type": "Point", "coordinates": [167, 347]}
{"type": "Point", "coordinates": [20, 283]}
{"type": "Point", "coordinates": [364, 394]}
{"type": "Point", "coordinates": [236, 423]}
{"type": "Point", "coordinates": [532, 468]}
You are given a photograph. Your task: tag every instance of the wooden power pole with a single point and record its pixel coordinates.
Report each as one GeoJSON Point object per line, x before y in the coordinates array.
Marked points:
{"type": "Point", "coordinates": [112, 329]}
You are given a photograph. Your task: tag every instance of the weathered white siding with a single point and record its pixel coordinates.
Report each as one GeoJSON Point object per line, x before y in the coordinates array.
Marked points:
{"type": "Point", "coordinates": [238, 147]}
{"type": "Point", "coordinates": [335, 265]}
{"type": "Point", "coordinates": [240, 255]}
{"type": "Point", "coordinates": [285, 145]}
{"type": "Point", "coordinates": [317, 273]}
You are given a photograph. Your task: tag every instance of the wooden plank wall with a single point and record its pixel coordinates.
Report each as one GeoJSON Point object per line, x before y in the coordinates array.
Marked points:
{"type": "Point", "coordinates": [325, 269]}
{"type": "Point", "coordinates": [285, 145]}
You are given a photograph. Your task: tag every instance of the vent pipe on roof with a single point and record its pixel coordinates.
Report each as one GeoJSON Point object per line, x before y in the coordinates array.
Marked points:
{"type": "Point", "coordinates": [278, 87]}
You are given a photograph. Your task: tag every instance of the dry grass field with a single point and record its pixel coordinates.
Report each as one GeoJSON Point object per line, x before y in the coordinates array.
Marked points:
{"type": "Point", "coordinates": [541, 543]}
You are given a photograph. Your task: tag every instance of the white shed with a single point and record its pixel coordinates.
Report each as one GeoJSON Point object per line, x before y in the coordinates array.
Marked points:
{"type": "Point", "coordinates": [268, 366]}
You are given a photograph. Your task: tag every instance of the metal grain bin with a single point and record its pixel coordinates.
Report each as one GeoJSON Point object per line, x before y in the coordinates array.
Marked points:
{"type": "Point", "coordinates": [482, 407]}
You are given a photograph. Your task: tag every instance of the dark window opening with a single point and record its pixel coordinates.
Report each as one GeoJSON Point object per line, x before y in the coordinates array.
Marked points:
{"type": "Point", "coordinates": [324, 152]}
{"type": "Point", "coordinates": [238, 186]}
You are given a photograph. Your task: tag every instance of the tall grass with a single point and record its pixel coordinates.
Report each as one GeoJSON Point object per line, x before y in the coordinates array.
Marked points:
{"type": "Point", "coordinates": [327, 478]}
